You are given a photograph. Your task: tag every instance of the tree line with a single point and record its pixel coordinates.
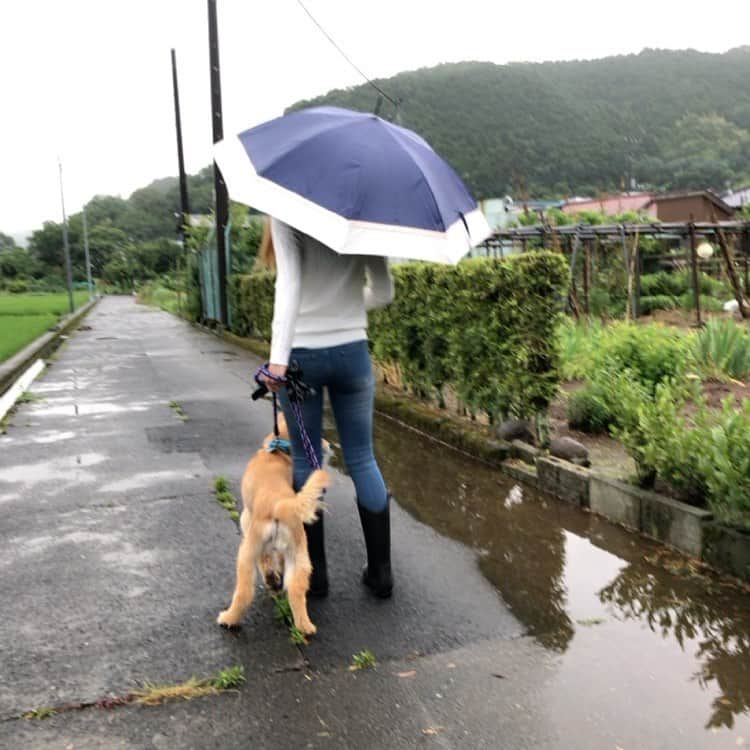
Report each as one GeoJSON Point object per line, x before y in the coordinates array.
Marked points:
{"type": "Point", "coordinates": [130, 239]}
{"type": "Point", "coordinates": [658, 119]}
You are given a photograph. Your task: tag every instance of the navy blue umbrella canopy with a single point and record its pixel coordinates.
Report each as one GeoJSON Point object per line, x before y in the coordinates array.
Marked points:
{"type": "Point", "coordinates": [355, 182]}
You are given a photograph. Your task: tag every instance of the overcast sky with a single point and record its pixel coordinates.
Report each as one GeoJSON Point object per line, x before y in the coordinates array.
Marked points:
{"type": "Point", "coordinates": [90, 80]}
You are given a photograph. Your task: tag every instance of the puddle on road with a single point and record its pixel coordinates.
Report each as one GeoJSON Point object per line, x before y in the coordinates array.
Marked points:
{"type": "Point", "coordinates": [581, 586]}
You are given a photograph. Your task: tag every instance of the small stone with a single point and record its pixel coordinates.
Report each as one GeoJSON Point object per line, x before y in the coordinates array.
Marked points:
{"type": "Point", "coordinates": [516, 429]}
{"type": "Point", "coordinates": [570, 450]}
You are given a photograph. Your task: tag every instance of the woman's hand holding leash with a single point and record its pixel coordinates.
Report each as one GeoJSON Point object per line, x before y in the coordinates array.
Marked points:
{"type": "Point", "coordinates": [278, 371]}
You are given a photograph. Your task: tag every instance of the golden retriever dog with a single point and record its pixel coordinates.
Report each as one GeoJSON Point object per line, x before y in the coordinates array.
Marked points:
{"type": "Point", "coordinates": [273, 535]}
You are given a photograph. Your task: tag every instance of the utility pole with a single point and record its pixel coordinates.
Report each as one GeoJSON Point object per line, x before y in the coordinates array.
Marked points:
{"type": "Point", "coordinates": [89, 281]}
{"type": "Point", "coordinates": [66, 247]}
{"type": "Point", "coordinates": [220, 189]}
{"type": "Point", "coordinates": [184, 203]}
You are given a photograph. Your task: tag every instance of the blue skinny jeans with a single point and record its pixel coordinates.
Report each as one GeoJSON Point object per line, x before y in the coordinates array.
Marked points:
{"type": "Point", "coordinates": [346, 371]}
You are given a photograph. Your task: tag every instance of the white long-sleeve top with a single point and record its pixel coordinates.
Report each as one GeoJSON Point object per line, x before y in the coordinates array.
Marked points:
{"type": "Point", "coordinates": [321, 298]}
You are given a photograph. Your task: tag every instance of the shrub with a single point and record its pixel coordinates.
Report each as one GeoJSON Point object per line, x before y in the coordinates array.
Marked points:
{"type": "Point", "coordinates": [723, 452]}
{"type": "Point", "coordinates": [707, 285]}
{"type": "Point", "coordinates": [658, 437]}
{"type": "Point", "coordinates": [677, 287]}
{"type": "Point", "coordinates": [578, 342]}
{"type": "Point", "coordinates": [661, 284]}
{"type": "Point", "coordinates": [723, 348]}
{"type": "Point", "coordinates": [652, 353]}
{"type": "Point", "coordinates": [487, 326]}
{"type": "Point", "coordinates": [705, 458]}
{"type": "Point", "coordinates": [250, 299]}
{"type": "Point", "coordinates": [589, 409]}
{"type": "Point", "coordinates": [657, 302]}
{"type": "Point", "coordinates": [18, 286]}
{"type": "Point", "coordinates": [687, 302]}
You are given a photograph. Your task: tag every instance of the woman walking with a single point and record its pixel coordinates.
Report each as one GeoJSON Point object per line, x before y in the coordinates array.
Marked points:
{"type": "Point", "coordinates": [320, 321]}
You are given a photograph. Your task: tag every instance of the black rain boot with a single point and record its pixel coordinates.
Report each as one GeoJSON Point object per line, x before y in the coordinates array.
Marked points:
{"type": "Point", "coordinates": [317, 551]}
{"type": "Point", "coordinates": [377, 530]}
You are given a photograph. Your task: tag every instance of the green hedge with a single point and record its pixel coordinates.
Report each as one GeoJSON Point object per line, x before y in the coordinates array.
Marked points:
{"type": "Point", "coordinates": [486, 327]}
{"type": "Point", "coordinates": [251, 304]}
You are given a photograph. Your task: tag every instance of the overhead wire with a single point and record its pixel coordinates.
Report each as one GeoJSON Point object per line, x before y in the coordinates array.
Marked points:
{"type": "Point", "coordinates": [346, 57]}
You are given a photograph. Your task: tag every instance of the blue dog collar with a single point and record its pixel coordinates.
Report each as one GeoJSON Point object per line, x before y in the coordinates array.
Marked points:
{"type": "Point", "coordinates": [279, 444]}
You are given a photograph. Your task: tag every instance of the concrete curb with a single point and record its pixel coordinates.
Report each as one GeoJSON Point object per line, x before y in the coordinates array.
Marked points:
{"type": "Point", "coordinates": [40, 347]}
{"type": "Point", "coordinates": [684, 527]}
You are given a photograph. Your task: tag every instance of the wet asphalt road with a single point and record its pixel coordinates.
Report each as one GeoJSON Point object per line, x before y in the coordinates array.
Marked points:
{"type": "Point", "coordinates": [517, 622]}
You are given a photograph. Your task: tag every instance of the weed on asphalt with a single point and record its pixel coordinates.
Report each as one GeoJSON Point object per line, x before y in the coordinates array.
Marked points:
{"type": "Point", "coordinates": [43, 712]}
{"type": "Point", "coordinates": [176, 407]}
{"type": "Point", "coordinates": [365, 659]}
{"type": "Point", "coordinates": [225, 498]}
{"type": "Point", "coordinates": [224, 680]}
{"type": "Point", "coordinates": [28, 397]}
{"type": "Point", "coordinates": [283, 613]}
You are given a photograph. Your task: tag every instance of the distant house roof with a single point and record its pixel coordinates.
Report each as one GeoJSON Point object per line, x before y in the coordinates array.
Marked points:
{"type": "Point", "coordinates": [644, 201]}
{"type": "Point", "coordinates": [683, 194]}
{"type": "Point", "coordinates": [609, 204]}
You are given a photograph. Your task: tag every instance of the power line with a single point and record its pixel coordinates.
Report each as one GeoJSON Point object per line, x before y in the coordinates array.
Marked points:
{"type": "Point", "coordinates": [346, 57]}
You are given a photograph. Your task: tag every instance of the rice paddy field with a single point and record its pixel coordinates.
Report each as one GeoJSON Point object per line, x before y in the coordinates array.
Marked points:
{"type": "Point", "coordinates": [23, 317]}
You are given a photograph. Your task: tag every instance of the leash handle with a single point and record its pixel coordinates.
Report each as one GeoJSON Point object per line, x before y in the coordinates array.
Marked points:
{"type": "Point", "coordinates": [297, 390]}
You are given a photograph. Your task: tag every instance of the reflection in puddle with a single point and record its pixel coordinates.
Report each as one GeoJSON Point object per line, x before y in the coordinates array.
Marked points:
{"type": "Point", "coordinates": [515, 496]}
{"type": "Point", "coordinates": [571, 578]}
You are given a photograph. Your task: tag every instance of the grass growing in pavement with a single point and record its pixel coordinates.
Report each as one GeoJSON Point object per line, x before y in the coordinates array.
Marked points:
{"type": "Point", "coordinates": [43, 712]}
{"type": "Point", "coordinates": [591, 621]}
{"type": "Point", "coordinates": [176, 407]}
{"type": "Point", "coordinates": [27, 397]}
{"type": "Point", "coordinates": [154, 695]}
{"type": "Point", "coordinates": [365, 659]}
{"type": "Point", "coordinates": [283, 613]}
{"type": "Point", "coordinates": [225, 498]}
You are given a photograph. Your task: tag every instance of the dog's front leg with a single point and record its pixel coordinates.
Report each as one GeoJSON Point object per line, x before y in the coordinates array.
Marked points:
{"type": "Point", "coordinates": [299, 583]}
{"type": "Point", "coordinates": [245, 587]}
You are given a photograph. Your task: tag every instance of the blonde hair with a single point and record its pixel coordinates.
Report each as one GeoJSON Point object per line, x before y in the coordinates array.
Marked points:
{"type": "Point", "coordinates": [266, 253]}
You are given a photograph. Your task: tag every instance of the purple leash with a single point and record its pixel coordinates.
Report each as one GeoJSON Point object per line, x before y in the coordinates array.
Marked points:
{"type": "Point", "coordinates": [297, 390]}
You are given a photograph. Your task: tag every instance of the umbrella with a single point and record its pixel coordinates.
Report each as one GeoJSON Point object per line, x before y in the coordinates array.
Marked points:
{"type": "Point", "coordinates": [355, 182]}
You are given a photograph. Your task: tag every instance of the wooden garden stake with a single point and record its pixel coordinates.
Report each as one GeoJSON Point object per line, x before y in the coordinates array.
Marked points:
{"type": "Point", "coordinates": [731, 270]}
{"type": "Point", "coordinates": [587, 277]}
{"type": "Point", "coordinates": [694, 264]}
{"type": "Point", "coordinates": [631, 273]}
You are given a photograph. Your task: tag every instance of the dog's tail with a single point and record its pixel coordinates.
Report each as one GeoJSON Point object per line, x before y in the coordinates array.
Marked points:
{"type": "Point", "coordinates": [305, 504]}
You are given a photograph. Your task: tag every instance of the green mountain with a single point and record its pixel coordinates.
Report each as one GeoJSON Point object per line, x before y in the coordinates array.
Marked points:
{"type": "Point", "coordinates": [661, 118]}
